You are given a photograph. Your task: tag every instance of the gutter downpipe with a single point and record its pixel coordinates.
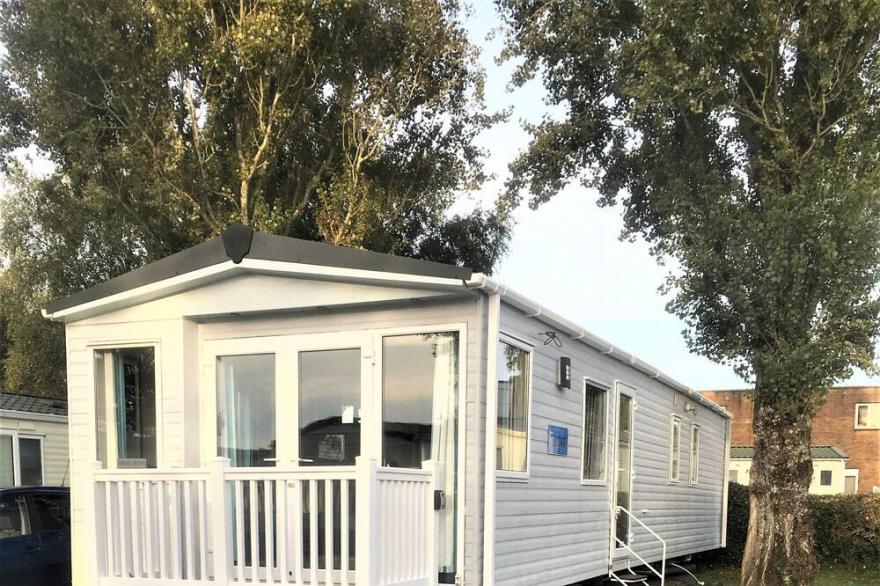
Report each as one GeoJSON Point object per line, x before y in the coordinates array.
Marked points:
{"type": "Point", "coordinates": [493, 297]}
{"type": "Point", "coordinates": [483, 283]}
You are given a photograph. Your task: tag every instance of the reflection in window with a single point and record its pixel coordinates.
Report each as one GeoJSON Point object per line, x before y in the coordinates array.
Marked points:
{"type": "Point", "coordinates": [329, 406]}
{"type": "Point", "coordinates": [53, 512]}
{"type": "Point", "coordinates": [30, 458]}
{"type": "Point", "coordinates": [125, 399]}
{"type": "Point", "coordinates": [594, 432]}
{"type": "Point", "coordinates": [513, 408]}
{"type": "Point", "coordinates": [246, 409]}
{"type": "Point", "coordinates": [420, 419]}
{"type": "Point", "coordinates": [13, 517]}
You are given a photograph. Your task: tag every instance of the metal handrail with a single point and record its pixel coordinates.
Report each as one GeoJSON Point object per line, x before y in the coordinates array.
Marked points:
{"type": "Point", "coordinates": [662, 573]}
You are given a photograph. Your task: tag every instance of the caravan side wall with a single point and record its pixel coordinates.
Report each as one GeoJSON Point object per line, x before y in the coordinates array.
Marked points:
{"type": "Point", "coordinates": [552, 528]}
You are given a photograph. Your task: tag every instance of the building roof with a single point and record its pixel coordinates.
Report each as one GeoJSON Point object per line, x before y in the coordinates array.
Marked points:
{"type": "Point", "coordinates": [31, 404]}
{"type": "Point", "coordinates": [238, 242]}
{"type": "Point", "coordinates": [816, 453]}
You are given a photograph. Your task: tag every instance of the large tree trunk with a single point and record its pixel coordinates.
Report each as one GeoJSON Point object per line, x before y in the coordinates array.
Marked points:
{"type": "Point", "coordinates": [779, 548]}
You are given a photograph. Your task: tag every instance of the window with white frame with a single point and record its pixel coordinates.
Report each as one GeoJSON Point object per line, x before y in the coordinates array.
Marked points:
{"type": "Point", "coordinates": [125, 407]}
{"type": "Point", "coordinates": [593, 453]}
{"type": "Point", "coordinates": [21, 459]}
{"type": "Point", "coordinates": [674, 449]}
{"type": "Point", "coordinates": [867, 416]}
{"type": "Point", "coordinates": [825, 477]}
{"type": "Point", "coordinates": [695, 455]}
{"type": "Point", "coordinates": [513, 408]}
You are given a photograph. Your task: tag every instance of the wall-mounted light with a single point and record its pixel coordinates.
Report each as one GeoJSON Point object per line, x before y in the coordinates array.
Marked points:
{"type": "Point", "coordinates": [563, 372]}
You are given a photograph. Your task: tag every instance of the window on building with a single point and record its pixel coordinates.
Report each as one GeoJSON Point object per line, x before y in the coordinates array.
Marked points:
{"type": "Point", "coordinates": [595, 402]}
{"type": "Point", "coordinates": [21, 460]}
{"type": "Point", "coordinates": [674, 449]}
{"type": "Point", "coordinates": [513, 408]}
{"type": "Point", "coordinates": [825, 478]}
{"type": "Point", "coordinates": [733, 475]}
{"type": "Point", "coordinates": [695, 454]}
{"type": "Point", "coordinates": [125, 407]}
{"type": "Point", "coordinates": [868, 416]}
{"type": "Point", "coordinates": [246, 409]}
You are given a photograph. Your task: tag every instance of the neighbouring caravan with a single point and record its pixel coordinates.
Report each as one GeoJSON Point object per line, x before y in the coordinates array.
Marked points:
{"type": "Point", "coordinates": [266, 409]}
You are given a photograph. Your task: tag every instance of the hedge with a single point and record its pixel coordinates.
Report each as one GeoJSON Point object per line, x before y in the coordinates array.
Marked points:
{"type": "Point", "coordinates": [846, 529]}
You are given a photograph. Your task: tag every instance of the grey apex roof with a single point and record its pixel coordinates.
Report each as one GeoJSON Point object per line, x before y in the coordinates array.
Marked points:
{"type": "Point", "coordinates": [238, 242]}
{"type": "Point", "coordinates": [31, 404]}
{"type": "Point", "coordinates": [816, 453]}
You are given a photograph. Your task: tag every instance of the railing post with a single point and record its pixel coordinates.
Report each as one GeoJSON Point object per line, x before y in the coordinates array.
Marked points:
{"type": "Point", "coordinates": [98, 527]}
{"type": "Point", "coordinates": [431, 523]}
{"type": "Point", "coordinates": [366, 522]}
{"type": "Point", "coordinates": [221, 520]}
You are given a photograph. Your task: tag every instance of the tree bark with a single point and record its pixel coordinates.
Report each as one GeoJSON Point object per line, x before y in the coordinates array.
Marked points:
{"type": "Point", "coordinates": [779, 547]}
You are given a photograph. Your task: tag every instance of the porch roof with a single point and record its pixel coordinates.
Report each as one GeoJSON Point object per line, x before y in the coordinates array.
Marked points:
{"type": "Point", "coordinates": [240, 242]}
{"type": "Point", "coordinates": [816, 453]}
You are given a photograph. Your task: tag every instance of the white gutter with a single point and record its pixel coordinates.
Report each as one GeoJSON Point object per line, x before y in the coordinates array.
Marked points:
{"type": "Point", "coordinates": [493, 329]}
{"type": "Point", "coordinates": [481, 282]}
{"type": "Point", "coordinates": [27, 415]}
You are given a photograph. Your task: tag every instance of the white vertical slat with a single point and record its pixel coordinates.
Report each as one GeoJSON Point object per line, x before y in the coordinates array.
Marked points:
{"type": "Point", "coordinates": [268, 524]}
{"type": "Point", "coordinates": [110, 528]}
{"type": "Point", "coordinates": [343, 531]}
{"type": "Point", "coordinates": [221, 521]}
{"type": "Point", "coordinates": [282, 523]}
{"type": "Point", "coordinates": [203, 529]}
{"type": "Point", "coordinates": [189, 538]}
{"type": "Point", "coordinates": [239, 530]}
{"type": "Point", "coordinates": [298, 531]}
{"type": "Point", "coordinates": [123, 527]}
{"type": "Point", "coordinates": [254, 521]}
{"type": "Point", "coordinates": [174, 527]}
{"type": "Point", "coordinates": [161, 522]}
{"type": "Point", "coordinates": [328, 531]}
{"type": "Point", "coordinates": [313, 531]}
{"type": "Point", "coordinates": [136, 528]}
{"type": "Point", "coordinates": [148, 528]}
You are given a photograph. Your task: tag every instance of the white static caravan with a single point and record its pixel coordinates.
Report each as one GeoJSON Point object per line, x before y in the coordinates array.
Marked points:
{"type": "Point", "coordinates": [269, 410]}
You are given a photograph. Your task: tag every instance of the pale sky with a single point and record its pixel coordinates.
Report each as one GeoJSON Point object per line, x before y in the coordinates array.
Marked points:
{"type": "Point", "coordinates": [567, 255]}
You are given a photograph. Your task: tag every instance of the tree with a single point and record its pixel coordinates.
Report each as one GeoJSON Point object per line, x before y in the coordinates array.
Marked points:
{"type": "Point", "coordinates": [348, 122]}
{"type": "Point", "coordinates": [742, 140]}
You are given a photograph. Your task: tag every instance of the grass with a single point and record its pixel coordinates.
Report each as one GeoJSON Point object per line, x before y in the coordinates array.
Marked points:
{"type": "Point", "coordinates": [839, 576]}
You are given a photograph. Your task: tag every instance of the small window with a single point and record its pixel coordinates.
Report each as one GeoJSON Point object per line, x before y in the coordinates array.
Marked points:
{"type": "Point", "coordinates": [595, 401]}
{"type": "Point", "coordinates": [675, 449]}
{"type": "Point", "coordinates": [695, 454]}
{"type": "Point", "coordinates": [52, 511]}
{"type": "Point", "coordinates": [868, 416]}
{"type": "Point", "coordinates": [125, 407]}
{"type": "Point", "coordinates": [21, 460]}
{"type": "Point", "coordinates": [513, 408]}
{"type": "Point", "coordinates": [7, 460]}
{"type": "Point", "coordinates": [825, 477]}
{"type": "Point", "coordinates": [733, 475]}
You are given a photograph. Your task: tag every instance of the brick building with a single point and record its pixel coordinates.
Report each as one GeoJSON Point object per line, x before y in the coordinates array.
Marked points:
{"type": "Point", "coordinates": [849, 420]}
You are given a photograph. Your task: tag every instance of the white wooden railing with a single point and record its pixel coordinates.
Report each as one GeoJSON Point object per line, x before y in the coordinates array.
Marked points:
{"type": "Point", "coordinates": [360, 525]}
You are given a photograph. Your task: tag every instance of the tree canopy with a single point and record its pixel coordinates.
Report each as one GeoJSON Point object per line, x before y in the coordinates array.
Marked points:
{"type": "Point", "coordinates": [742, 140]}
{"type": "Point", "coordinates": [347, 122]}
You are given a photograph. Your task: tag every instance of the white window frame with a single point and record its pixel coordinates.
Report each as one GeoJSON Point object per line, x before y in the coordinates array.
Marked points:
{"type": "Point", "coordinates": [694, 464]}
{"type": "Point", "coordinates": [16, 454]}
{"type": "Point", "coordinates": [112, 443]}
{"type": "Point", "coordinates": [856, 416]}
{"type": "Point", "coordinates": [674, 478]}
{"type": "Point", "coordinates": [510, 475]}
{"type": "Point", "coordinates": [607, 388]}
{"type": "Point", "coordinates": [830, 477]}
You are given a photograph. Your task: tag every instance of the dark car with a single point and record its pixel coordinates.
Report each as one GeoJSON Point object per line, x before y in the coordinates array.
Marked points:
{"type": "Point", "coordinates": [34, 536]}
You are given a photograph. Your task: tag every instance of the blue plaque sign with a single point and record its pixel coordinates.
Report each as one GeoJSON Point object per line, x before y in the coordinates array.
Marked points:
{"type": "Point", "coordinates": [557, 440]}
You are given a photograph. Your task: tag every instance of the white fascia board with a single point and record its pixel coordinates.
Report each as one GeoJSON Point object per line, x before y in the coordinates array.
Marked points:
{"type": "Point", "coordinates": [536, 310]}
{"type": "Point", "coordinates": [226, 269]}
{"type": "Point", "coordinates": [27, 415]}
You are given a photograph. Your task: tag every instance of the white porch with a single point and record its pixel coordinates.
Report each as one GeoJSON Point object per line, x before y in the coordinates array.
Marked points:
{"type": "Point", "coordinates": [361, 525]}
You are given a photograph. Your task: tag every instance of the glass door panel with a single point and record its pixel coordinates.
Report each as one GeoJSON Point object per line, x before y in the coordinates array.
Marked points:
{"type": "Point", "coordinates": [623, 476]}
{"type": "Point", "coordinates": [420, 420]}
{"type": "Point", "coordinates": [329, 407]}
{"type": "Point", "coordinates": [246, 409]}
